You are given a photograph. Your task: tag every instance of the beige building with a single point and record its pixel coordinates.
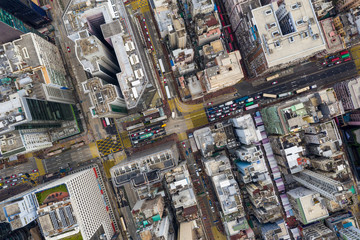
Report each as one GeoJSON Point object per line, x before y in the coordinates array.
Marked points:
{"type": "Point", "coordinates": [177, 33]}
{"type": "Point", "coordinates": [346, 5]}
{"type": "Point", "coordinates": [225, 73]}
{"type": "Point", "coordinates": [289, 32]}
{"type": "Point", "coordinates": [308, 206]}
{"type": "Point", "coordinates": [213, 49]}
{"type": "Point", "coordinates": [208, 28]}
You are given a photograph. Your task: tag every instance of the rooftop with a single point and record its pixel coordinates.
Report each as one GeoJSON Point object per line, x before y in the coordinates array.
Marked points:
{"type": "Point", "coordinates": [289, 31]}
{"type": "Point", "coordinates": [245, 129]}
{"type": "Point", "coordinates": [204, 140]}
{"type": "Point", "coordinates": [217, 164]}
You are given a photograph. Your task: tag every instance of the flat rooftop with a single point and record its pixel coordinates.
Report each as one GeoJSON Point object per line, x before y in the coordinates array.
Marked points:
{"type": "Point", "coordinates": [288, 31]}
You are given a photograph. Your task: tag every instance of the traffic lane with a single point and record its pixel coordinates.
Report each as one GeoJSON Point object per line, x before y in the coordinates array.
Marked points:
{"type": "Point", "coordinates": [26, 167]}
{"type": "Point", "coordinates": [63, 160]}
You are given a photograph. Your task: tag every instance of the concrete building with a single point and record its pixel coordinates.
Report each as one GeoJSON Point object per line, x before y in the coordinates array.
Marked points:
{"type": "Point", "coordinates": [350, 233]}
{"type": "Point", "coordinates": [208, 28]}
{"type": "Point", "coordinates": [330, 189]}
{"type": "Point", "coordinates": [348, 92]}
{"type": "Point", "coordinates": [95, 57]}
{"type": "Point", "coordinates": [285, 25]}
{"type": "Point", "coordinates": [146, 167]}
{"type": "Point", "coordinates": [204, 141]}
{"type": "Point", "coordinates": [333, 39]}
{"type": "Point", "coordinates": [308, 206]}
{"type": "Point", "coordinates": [18, 211]}
{"type": "Point", "coordinates": [177, 33]}
{"type": "Point", "coordinates": [276, 230]}
{"type": "Point", "coordinates": [198, 7]}
{"type": "Point", "coordinates": [32, 52]}
{"type": "Point", "coordinates": [318, 232]}
{"type": "Point", "coordinates": [226, 72]}
{"type": "Point", "coordinates": [213, 50]}
{"type": "Point", "coordinates": [183, 60]}
{"type": "Point", "coordinates": [346, 5]}
{"type": "Point", "coordinates": [68, 206]}
{"type": "Point", "coordinates": [245, 130]}
{"type": "Point", "coordinates": [322, 7]}
{"type": "Point", "coordinates": [151, 219]}
{"type": "Point", "coordinates": [164, 12]}
{"type": "Point", "coordinates": [228, 194]}
{"type": "Point", "coordinates": [347, 26]}
{"type": "Point", "coordinates": [181, 192]}
{"type": "Point", "coordinates": [106, 99]}
{"type": "Point", "coordinates": [340, 221]}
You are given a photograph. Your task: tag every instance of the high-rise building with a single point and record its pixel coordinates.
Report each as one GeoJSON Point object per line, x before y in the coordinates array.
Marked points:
{"type": "Point", "coordinates": [95, 57]}
{"type": "Point", "coordinates": [105, 98]}
{"type": "Point", "coordinates": [348, 93]}
{"type": "Point", "coordinates": [74, 206]}
{"type": "Point", "coordinates": [346, 5]}
{"type": "Point", "coordinates": [32, 52]}
{"type": "Point", "coordinates": [28, 11]}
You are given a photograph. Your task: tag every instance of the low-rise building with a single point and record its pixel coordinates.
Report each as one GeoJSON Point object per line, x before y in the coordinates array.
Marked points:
{"type": "Point", "coordinates": [208, 28]}
{"type": "Point", "coordinates": [318, 232]}
{"type": "Point", "coordinates": [181, 192]}
{"type": "Point", "coordinates": [183, 60]}
{"type": "Point", "coordinates": [277, 230]}
{"type": "Point", "coordinates": [204, 141]}
{"type": "Point", "coordinates": [341, 220]}
{"type": "Point", "coordinates": [245, 130]}
{"type": "Point", "coordinates": [350, 233]}
{"type": "Point", "coordinates": [308, 206]}
{"type": "Point", "coordinates": [333, 39]}
{"type": "Point", "coordinates": [146, 167]}
{"type": "Point", "coordinates": [213, 50]}
{"type": "Point", "coordinates": [199, 7]}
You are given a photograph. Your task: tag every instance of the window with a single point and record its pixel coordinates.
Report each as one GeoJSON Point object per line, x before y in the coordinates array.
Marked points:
{"type": "Point", "coordinates": [275, 34]}
{"type": "Point", "coordinates": [299, 22]}
{"type": "Point", "coordinates": [25, 52]}
{"type": "Point", "coordinates": [291, 39]}
{"type": "Point", "coordinates": [272, 25]}
{"type": "Point", "coordinates": [268, 12]}
{"type": "Point", "coordinates": [295, 6]}
{"type": "Point", "coordinates": [305, 34]}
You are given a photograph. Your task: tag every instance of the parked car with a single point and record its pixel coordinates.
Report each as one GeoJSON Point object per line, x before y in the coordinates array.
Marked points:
{"type": "Point", "coordinates": [13, 176]}
{"type": "Point", "coordinates": [13, 184]}
{"type": "Point", "coordinates": [210, 103]}
{"type": "Point", "coordinates": [273, 83]}
{"type": "Point", "coordinates": [68, 49]}
{"type": "Point", "coordinates": [35, 170]}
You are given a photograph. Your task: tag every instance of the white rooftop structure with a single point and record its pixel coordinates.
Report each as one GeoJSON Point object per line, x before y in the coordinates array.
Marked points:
{"type": "Point", "coordinates": [245, 129]}
{"type": "Point", "coordinates": [288, 31]}
{"type": "Point", "coordinates": [308, 205]}
{"type": "Point", "coordinates": [204, 140]}
{"type": "Point", "coordinates": [201, 7]}
{"type": "Point", "coordinates": [216, 165]}
{"type": "Point", "coordinates": [350, 233]}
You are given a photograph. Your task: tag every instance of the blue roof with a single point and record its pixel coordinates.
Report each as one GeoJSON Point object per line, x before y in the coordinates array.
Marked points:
{"type": "Point", "coordinates": [242, 165]}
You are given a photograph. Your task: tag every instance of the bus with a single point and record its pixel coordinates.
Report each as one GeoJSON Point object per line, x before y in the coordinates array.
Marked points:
{"type": "Point", "coordinates": [269, 95]}
{"type": "Point", "coordinates": [344, 52]}
{"type": "Point", "coordinates": [272, 77]}
{"type": "Point", "coordinates": [231, 47]}
{"type": "Point", "coordinates": [335, 59]}
{"type": "Point", "coordinates": [302, 89]}
{"type": "Point", "coordinates": [284, 94]}
{"type": "Point", "coordinates": [123, 226]}
{"type": "Point", "coordinates": [146, 135]}
{"type": "Point", "coordinates": [161, 66]}
{"type": "Point", "coordinates": [231, 38]}
{"type": "Point", "coordinates": [345, 56]}
{"type": "Point", "coordinates": [167, 92]}
{"type": "Point", "coordinates": [252, 107]}
{"type": "Point", "coordinates": [249, 104]}
{"type": "Point", "coordinates": [107, 121]}
{"type": "Point", "coordinates": [139, 125]}
{"type": "Point", "coordinates": [242, 99]}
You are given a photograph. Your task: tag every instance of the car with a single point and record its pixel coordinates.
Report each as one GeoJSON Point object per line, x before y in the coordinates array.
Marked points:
{"type": "Point", "coordinates": [35, 170]}
{"type": "Point", "coordinates": [228, 114]}
{"type": "Point", "coordinates": [232, 109]}
{"type": "Point", "coordinates": [15, 180]}
{"type": "Point", "coordinates": [134, 135]}
{"type": "Point", "coordinates": [149, 40]}
{"type": "Point", "coordinates": [273, 83]}
{"type": "Point", "coordinates": [219, 110]}
{"type": "Point", "coordinates": [257, 97]}
{"type": "Point", "coordinates": [210, 103]}
{"type": "Point", "coordinates": [20, 174]}
{"type": "Point", "coordinates": [7, 181]}
{"type": "Point", "coordinates": [157, 131]}
{"type": "Point", "coordinates": [6, 178]}
{"type": "Point", "coordinates": [26, 174]}
{"type": "Point", "coordinates": [212, 119]}
{"type": "Point", "coordinates": [236, 94]}
{"type": "Point", "coordinates": [145, 28]}
{"type": "Point", "coordinates": [13, 184]}
{"type": "Point", "coordinates": [5, 186]}
{"type": "Point", "coordinates": [331, 57]}
{"type": "Point", "coordinates": [221, 106]}
{"type": "Point", "coordinates": [331, 64]}
{"type": "Point", "coordinates": [1, 179]}
{"type": "Point", "coordinates": [213, 115]}
{"type": "Point", "coordinates": [338, 62]}
{"type": "Point", "coordinates": [148, 130]}
{"type": "Point", "coordinates": [233, 105]}
{"type": "Point", "coordinates": [218, 114]}
{"type": "Point", "coordinates": [164, 80]}
{"type": "Point", "coordinates": [13, 176]}
{"type": "Point", "coordinates": [183, 143]}
{"type": "Point", "coordinates": [143, 19]}
{"type": "Point", "coordinates": [68, 49]}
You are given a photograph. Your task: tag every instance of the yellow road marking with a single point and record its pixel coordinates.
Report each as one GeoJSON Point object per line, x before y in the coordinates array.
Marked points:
{"type": "Point", "coordinates": [93, 149]}
{"type": "Point", "coordinates": [40, 166]}
{"type": "Point", "coordinates": [182, 136]}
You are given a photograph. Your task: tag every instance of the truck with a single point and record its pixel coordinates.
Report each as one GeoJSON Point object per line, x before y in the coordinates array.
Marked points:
{"type": "Point", "coordinates": [167, 92]}
{"type": "Point", "coordinates": [229, 103]}
{"type": "Point", "coordinates": [173, 115]}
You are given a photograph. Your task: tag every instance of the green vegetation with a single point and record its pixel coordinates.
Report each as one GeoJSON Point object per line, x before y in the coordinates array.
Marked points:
{"type": "Point", "coordinates": [74, 237]}
{"type": "Point", "coordinates": [41, 196]}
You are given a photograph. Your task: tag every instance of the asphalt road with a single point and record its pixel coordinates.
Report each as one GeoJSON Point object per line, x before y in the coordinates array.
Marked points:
{"type": "Point", "coordinates": [308, 74]}
{"type": "Point", "coordinates": [66, 159]}
{"type": "Point", "coordinates": [21, 168]}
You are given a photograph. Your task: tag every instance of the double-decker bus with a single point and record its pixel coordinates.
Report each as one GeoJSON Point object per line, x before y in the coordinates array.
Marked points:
{"type": "Point", "coordinates": [345, 56]}
{"type": "Point", "coordinates": [167, 92]}
{"type": "Point", "coordinates": [335, 59]}
{"type": "Point", "coordinates": [252, 107]}
{"type": "Point", "coordinates": [344, 52]}
{"type": "Point", "coordinates": [146, 135]}
{"type": "Point", "coordinates": [302, 89]}
{"type": "Point", "coordinates": [249, 104]}
{"type": "Point", "coordinates": [161, 66]}
{"type": "Point", "coordinates": [241, 99]}
{"type": "Point", "coordinates": [269, 95]}
{"type": "Point", "coordinates": [272, 77]}
{"type": "Point", "coordinates": [284, 94]}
